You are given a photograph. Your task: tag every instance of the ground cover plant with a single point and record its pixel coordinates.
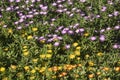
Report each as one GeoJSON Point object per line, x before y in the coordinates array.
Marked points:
{"type": "Point", "coordinates": [59, 40]}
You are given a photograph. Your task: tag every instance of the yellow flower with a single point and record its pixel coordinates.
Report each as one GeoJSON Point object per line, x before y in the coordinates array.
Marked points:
{"type": "Point", "coordinates": [5, 78]}
{"type": "Point", "coordinates": [19, 74]}
{"type": "Point", "coordinates": [98, 73]}
{"type": "Point", "coordinates": [55, 68]}
{"type": "Point", "coordinates": [33, 71]}
{"type": "Point", "coordinates": [86, 34]}
{"type": "Point", "coordinates": [78, 48]}
{"type": "Point", "coordinates": [2, 69]}
{"type": "Point", "coordinates": [32, 77]}
{"type": "Point", "coordinates": [106, 69]}
{"type": "Point", "coordinates": [76, 75]}
{"type": "Point", "coordinates": [49, 51]}
{"type": "Point", "coordinates": [24, 50]}
{"type": "Point", "coordinates": [91, 75]}
{"type": "Point", "coordinates": [13, 67]}
{"type": "Point", "coordinates": [63, 73]}
{"type": "Point", "coordinates": [86, 56]}
{"type": "Point", "coordinates": [99, 54]}
{"type": "Point", "coordinates": [75, 44]}
{"type": "Point", "coordinates": [35, 60]}
{"type": "Point", "coordinates": [49, 46]}
{"type": "Point", "coordinates": [34, 29]}
{"type": "Point", "coordinates": [77, 53]}
{"type": "Point", "coordinates": [10, 31]}
{"type": "Point", "coordinates": [48, 55]}
{"type": "Point", "coordinates": [59, 67]}
{"type": "Point", "coordinates": [23, 34]}
{"type": "Point", "coordinates": [24, 47]}
{"type": "Point", "coordinates": [117, 69]}
{"type": "Point", "coordinates": [42, 69]}
{"type": "Point", "coordinates": [27, 68]}
{"type": "Point", "coordinates": [36, 68]}
{"type": "Point", "coordinates": [78, 58]}
{"type": "Point", "coordinates": [91, 63]}
{"type": "Point", "coordinates": [55, 39]}
{"type": "Point", "coordinates": [26, 53]}
{"type": "Point", "coordinates": [49, 69]}
{"type": "Point", "coordinates": [90, 68]}
{"type": "Point", "coordinates": [5, 49]}
{"type": "Point", "coordinates": [79, 65]}
{"type": "Point", "coordinates": [42, 41]}
{"type": "Point", "coordinates": [72, 56]}
{"type": "Point", "coordinates": [53, 76]}
{"type": "Point", "coordinates": [29, 37]}
{"type": "Point", "coordinates": [42, 56]}
{"type": "Point", "coordinates": [2, 23]}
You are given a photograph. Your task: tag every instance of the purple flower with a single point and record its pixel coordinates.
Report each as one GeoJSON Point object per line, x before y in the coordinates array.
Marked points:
{"type": "Point", "coordinates": [41, 38]}
{"type": "Point", "coordinates": [59, 10]}
{"type": "Point", "coordinates": [71, 14]}
{"type": "Point", "coordinates": [65, 9]}
{"type": "Point", "coordinates": [108, 28]}
{"type": "Point", "coordinates": [16, 22]}
{"type": "Point", "coordinates": [60, 38]}
{"type": "Point", "coordinates": [59, 28]}
{"type": "Point", "coordinates": [21, 20]}
{"type": "Point", "coordinates": [76, 25]}
{"type": "Point", "coordinates": [67, 46]}
{"type": "Point", "coordinates": [8, 8]}
{"type": "Point", "coordinates": [50, 40]}
{"type": "Point", "coordinates": [103, 8]}
{"type": "Point", "coordinates": [97, 16]}
{"type": "Point", "coordinates": [70, 32]}
{"type": "Point", "coordinates": [116, 13]}
{"type": "Point", "coordinates": [53, 19]}
{"type": "Point", "coordinates": [29, 16]}
{"type": "Point", "coordinates": [77, 31]}
{"type": "Point", "coordinates": [35, 37]}
{"type": "Point", "coordinates": [59, 1]}
{"type": "Point", "coordinates": [110, 2]}
{"type": "Point", "coordinates": [60, 6]}
{"type": "Point", "coordinates": [102, 30]}
{"type": "Point", "coordinates": [4, 26]}
{"type": "Point", "coordinates": [64, 32]}
{"type": "Point", "coordinates": [82, 1]}
{"type": "Point", "coordinates": [102, 38]}
{"type": "Point", "coordinates": [117, 27]}
{"type": "Point", "coordinates": [54, 4]}
{"type": "Point", "coordinates": [11, 0]}
{"type": "Point", "coordinates": [73, 9]}
{"type": "Point", "coordinates": [44, 8]}
{"type": "Point", "coordinates": [93, 38]}
{"type": "Point", "coordinates": [51, 24]}
{"type": "Point", "coordinates": [115, 46]}
{"type": "Point", "coordinates": [110, 15]}
{"type": "Point", "coordinates": [68, 12]}
{"type": "Point", "coordinates": [56, 44]}
{"type": "Point", "coordinates": [66, 29]}
{"type": "Point", "coordinates": [32, 1]}
{"type": "Point", "coordinates": [81, 29]}
{"type": "Point", "coordinates": [77, 10]}
{"type": "Point", "coordinates": [0, 15]}
{"type": "Point", "coordinates": [69, 2]}
{"type": "Point", "coordinates": [17, 0]}
{"type": "Point", "coordinates": [19, 28]}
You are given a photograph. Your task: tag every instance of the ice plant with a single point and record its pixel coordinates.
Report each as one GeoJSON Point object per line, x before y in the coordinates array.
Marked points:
{"type": "Point", "coordinates": [93, 38]}
{"type": "Point", "coordinates": [102, 38]}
